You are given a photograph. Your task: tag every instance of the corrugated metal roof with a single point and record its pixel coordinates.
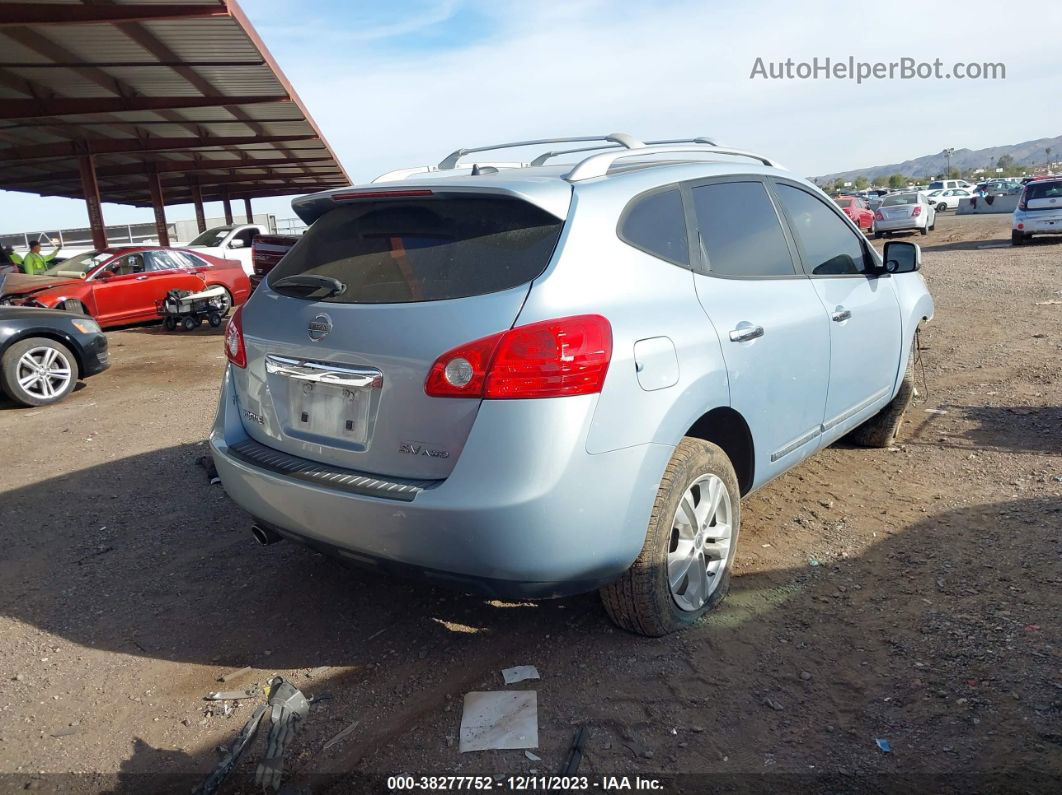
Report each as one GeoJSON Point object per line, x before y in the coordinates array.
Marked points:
{"type": "Point", "coordinates": [183, 87]}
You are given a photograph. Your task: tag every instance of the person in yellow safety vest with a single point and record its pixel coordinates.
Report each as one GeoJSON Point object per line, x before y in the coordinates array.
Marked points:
{"type": "Point", "coordinates": [35, 262]}
{"type": "Point", "coordinates": [15, 259]}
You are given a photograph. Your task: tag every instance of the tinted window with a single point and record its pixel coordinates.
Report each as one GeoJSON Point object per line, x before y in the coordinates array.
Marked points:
{"type": "Point", "coordinates": [398, 251]}
{"type": "Point", "coordinates": [740, 230]}
{"type": "Point", "coordinates": [829, 246]}
{"type": "Point", "coordinates": [656, 224]}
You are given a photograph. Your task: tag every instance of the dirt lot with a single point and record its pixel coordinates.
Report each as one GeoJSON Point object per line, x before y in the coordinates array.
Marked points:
{"type": "Point", "coordinates": [911, 595]}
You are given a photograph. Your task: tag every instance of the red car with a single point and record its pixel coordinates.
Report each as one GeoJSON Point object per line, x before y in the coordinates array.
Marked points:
{"type": "Point", "coordinates": [121, 286]}
{"type": "Point", "coordinates": [858, 210]}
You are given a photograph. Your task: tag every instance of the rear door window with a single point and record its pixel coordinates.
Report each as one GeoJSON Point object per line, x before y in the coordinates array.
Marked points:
{"type": "Point", "coordinates": [431, 249]}
{"type": "Point", "coordinates": [740, 231]}
{"type": "Point", "coordinates": [656, 224]}
{"type": "Point", "coordinates": [829, 246]}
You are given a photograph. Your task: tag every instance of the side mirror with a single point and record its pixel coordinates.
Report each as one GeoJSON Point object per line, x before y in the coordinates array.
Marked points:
{"type": "Point", "coordinates": [902, 257]}
{"type": "Point", "coordinates": [105, 275]}
{"type": "Point", "coordinates": [236, 242]}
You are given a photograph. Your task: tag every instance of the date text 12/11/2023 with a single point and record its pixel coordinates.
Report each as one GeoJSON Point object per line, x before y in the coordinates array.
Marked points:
{"type": "Point", "coordinates": [522, 783]}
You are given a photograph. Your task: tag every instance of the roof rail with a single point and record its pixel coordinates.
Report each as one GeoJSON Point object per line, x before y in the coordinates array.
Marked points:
{"type": "Point", "coordinates": [542, 158]}
{"type": "Point", "coordinates": [627, 141]}
{"type": "Point", "coordinates": [599, 164]}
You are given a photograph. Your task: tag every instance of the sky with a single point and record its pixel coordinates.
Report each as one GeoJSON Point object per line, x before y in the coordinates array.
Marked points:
{"type": "Point", "coordinates": [405, 82]}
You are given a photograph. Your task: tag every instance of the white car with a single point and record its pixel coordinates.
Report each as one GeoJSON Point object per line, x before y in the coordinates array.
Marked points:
{"type": "Point", "coordinates": [904, 212]}
{"type": "Point", "coordinates": [949, 184]}
{"type": "Point", "coordinates": [1039, 211]}
{"type": "Point", "coordinates": [229, 242]}
{"type": "Point", "coordinates": [948, 199]}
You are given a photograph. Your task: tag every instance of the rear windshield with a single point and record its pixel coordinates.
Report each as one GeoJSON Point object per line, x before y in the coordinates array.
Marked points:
{"type": "Point", "coordinates": [1043, 190]}
{"type": "Point", "coordinates": [399, 251]}
{"type": "Point", "coordinates": [897, 199]}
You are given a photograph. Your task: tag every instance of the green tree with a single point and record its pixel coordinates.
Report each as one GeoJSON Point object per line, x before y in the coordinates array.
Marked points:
{"type": "Point", "coordinates": [838, 184]}
{"type": "Point", "coordinates": [897, 181]}
{"type": "Point", "coordinates": [1005, 162]}
{"type": "Point", "coordinates": [954, 174]}
{"type": "Point", "coordinates": [862, 183]}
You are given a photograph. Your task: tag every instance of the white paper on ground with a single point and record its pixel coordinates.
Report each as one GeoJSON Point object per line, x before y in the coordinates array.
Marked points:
{"type": "Point", "coordinates": [519, 673]}
{"type": "Point", "coordinates": [499, 720]}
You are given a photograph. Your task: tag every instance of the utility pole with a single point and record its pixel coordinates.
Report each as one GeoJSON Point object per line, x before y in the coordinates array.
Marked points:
{"type": "Point", "coordinates": [947, 153]}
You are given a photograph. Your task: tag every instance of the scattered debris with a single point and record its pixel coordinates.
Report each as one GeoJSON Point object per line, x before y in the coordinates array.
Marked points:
{"type": "Point", "coordinates": [532, 757]}
{"type": "Point", "coordinates": [519, 673]}
{"type": "Point", "coordinates": [575, 752]}
{"type": "Point", "coordinates": [225, 766]}
{"type": "Point", "coordinates": [289, 706]}
{"type": "Point", "coordinates": [884, 745]}
{"type": "Point", "coordinates": [319, 671]}
{"type": "Point", "coordinates": [1047, 303]}
{"type": "Point", "coordinates": [65, 732]}
{"type": "Point", "coordinates": [340, 736]}
{"type": "Point", "coordinates": [499, 720]}
{"type": "Point", "coordinates": [936, 411]}
{"type": "Point", "coordinates": [377, 633]}
{"type": "Point", "coordinates": [234, 674]}
{"type": "Point", "coordinates": [231, 695]}
{"type": "Point", "coordinates": [770, 702]}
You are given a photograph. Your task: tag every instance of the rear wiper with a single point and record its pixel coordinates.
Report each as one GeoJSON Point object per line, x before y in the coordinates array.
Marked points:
{"type": "Point", "coordinates": [312, 283]}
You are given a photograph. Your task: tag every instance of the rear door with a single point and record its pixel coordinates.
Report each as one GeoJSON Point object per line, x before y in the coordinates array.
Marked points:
{"type": "Point", "coordinates": [864, 314]}
{"type": "Point", "coordinates": [166, 272]}
{"type": "Point", "coordinates": [339, 378]}
{"type": "Point", "coordinates": [771, 324]}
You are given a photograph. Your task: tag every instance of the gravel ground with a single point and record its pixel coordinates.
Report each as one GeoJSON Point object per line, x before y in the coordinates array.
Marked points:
{"type": "Point", "coordinates": [909, 595]}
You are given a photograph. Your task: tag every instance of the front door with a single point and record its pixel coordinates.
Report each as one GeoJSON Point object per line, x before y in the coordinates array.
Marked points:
{"type": "Point", "coordinates": [770, 322]}
{"type": "Point", "coordinates": [122, 293]}
{"type": "Point", "coordinates": [863, 312]}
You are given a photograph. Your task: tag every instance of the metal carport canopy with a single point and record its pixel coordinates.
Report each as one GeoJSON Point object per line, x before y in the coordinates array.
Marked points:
{"type": "Point", "coordinates": [149, 103]}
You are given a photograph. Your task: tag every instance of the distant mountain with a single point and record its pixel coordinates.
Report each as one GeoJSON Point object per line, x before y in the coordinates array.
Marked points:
{"type": "Point", "coordinates": [1030, 153]}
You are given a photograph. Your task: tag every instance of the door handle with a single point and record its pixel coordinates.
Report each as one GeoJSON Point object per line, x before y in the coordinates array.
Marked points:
{"type": "Point", "coordinates": [140, 278]}
{"type": "Point", "coordinates": [746, 333]}
{"type": "Point", "coordinates": [841, 315]}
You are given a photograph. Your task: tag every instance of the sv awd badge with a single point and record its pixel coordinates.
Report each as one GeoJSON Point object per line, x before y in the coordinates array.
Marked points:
{"type": "Point", "coordinates": [413, 448]}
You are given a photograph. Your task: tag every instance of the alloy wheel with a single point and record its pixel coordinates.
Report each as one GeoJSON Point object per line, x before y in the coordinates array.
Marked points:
{"type": "Point", "coordinates": [700, 542]}
{"type": "Point", "coordinates": [43, 372]}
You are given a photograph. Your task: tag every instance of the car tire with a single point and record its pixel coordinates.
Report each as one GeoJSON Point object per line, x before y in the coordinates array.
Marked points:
{"type": "Point", "coordinates": [228, 301]}
{"type": "Point", "coordinates": [18, 363]}
{"type": "Point", "coordinates": [924, 230]}
{"type": "Point", "coordinates": [643, 600]}
{"type": "Point", "coordinates": [214, 319]}
{"type": "Point", "coordinates": [941, 207]}
{"type": "Point", "coordinates": [878, 235]}
{"type": "Point", "coordinates": [881, 429]}
{"type": "Point", "coordinates": [170, 322]}
{"type": "Point", "coordinates": [189, 323]}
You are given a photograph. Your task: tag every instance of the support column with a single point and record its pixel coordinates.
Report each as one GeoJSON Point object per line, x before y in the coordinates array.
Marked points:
{"type": "Point", "coordinates": [247, 209]}
{"type": "Point", "coordinates": [158, 206]}
{"type": "Point", "coordinates": [197, 200]}
{"type": "Point", "coordinates": [91, 190]}
{"type": "Point", "coordinates": [228, 209]}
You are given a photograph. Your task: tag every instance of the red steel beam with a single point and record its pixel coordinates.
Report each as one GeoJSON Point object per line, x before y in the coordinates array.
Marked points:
{"type": "Point", "coordinates": [91, 192]}
{"type": "Point", "coordinates": [47, 14]}
{"type": "Point", "coordinates": [168, 167]}
{"type": "Point", "coordinates": [121, 146]}
{"type": "Point", "coordinates": [159, 206]}
{"type": "Point", "coordinates": [68, 106]}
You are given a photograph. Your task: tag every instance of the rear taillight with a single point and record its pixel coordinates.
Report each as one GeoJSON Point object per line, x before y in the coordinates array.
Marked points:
{"type": "Point", "coordinates": [1021, 202]}
{"type": "Point", "coordinates": [917, 211]}
{"type": "Point", "coordinates": [878, 216]}
{"type": "Point", "coordinates": [234, 349]}
{"type": "Point", "coordinates": [553, 358]}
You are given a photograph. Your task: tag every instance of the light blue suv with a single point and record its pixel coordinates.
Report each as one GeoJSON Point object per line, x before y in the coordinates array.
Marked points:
{"type": "Point", "coordinates": [531, 379]}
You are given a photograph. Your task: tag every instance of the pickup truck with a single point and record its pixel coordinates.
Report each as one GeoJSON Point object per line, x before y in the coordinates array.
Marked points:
{"type": "Point", "coordinates": [232, 241]}
{"type": "Point", "coordinates": [266, 252]}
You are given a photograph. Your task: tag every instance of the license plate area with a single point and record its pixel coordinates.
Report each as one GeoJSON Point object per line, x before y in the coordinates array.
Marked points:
{"type": "Point", "coordinates": [329, 404]}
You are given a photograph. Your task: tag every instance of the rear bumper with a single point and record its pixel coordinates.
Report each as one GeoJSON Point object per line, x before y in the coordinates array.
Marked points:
{"type": "Point", "coordinates": [522, 513]}
{"type": "Point", "coordinates": [901, 224]}
{"type": "Point", "coordinates": [1047, 224]}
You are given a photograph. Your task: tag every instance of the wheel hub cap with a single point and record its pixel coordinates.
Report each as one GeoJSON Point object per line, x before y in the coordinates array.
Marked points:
{"type": "Point", "coordinates": [700, 542]}
{"type": "Point", "coordinates": [43, 372]}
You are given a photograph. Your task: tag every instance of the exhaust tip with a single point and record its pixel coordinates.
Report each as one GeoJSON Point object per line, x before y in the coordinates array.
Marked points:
{"type": "Point", "coordinates": [265, 535]}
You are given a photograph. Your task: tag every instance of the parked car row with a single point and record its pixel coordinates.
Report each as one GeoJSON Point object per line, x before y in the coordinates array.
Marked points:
{"type": "Point", "coordinates": [94, 290]}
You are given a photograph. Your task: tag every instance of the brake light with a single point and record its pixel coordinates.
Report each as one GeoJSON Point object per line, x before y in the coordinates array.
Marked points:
{"type": "Point", "coordinates": [878, 216]}
{"type": "Point", "coordinates": [917, 211]}
{"type": "Point", "coordinates": [381, 194]}
{"type": "Point", "coordinates": [553, 358]}
{"type": "Point", "coordinates": [1021, 202]}
{"type": "Point", "coordinates": [235, 351]}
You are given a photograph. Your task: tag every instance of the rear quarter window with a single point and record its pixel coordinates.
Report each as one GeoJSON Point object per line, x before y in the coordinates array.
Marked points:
{"type": "Point", "coordinates": [656, 224]}
{"type": "Point", "coordinates": [432, 249]}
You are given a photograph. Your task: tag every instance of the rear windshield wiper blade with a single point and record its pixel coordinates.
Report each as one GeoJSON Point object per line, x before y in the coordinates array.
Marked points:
{"type": "Point", "coordinates": [311, 283]}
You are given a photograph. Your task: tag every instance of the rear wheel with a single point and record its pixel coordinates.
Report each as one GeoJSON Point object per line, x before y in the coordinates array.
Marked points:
{"type": "Point", "coordinates": [190, 322]}
{"type": "Point", "coordinates": [683, 570]}
{"type": "Point", "coordinates": [226, 302]}
{"type": "Point", "coordinates": [214, 319]}
{"type": "Point", "coordinates": [170, 322]}
{"type": "Point", "coordinates": [38, 371]}
{"type": "Point", "coordinates": [941, 207]}
{"type": "Point", "coordinates": [924, 230]}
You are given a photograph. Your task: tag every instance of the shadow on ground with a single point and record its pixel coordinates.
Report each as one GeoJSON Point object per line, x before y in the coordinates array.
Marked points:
{"type": "Point", "coordinates": [941, 637]}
